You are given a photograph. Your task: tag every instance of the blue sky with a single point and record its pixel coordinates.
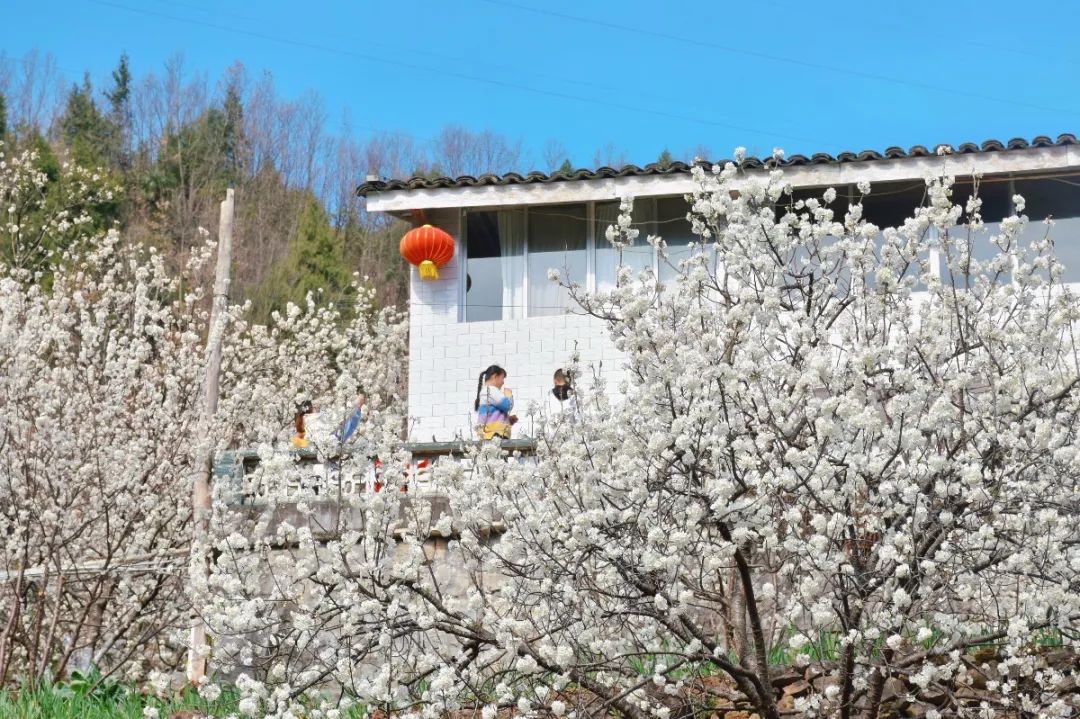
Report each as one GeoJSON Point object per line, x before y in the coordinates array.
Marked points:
{"type": "Point", "coordinates": [640, 75]}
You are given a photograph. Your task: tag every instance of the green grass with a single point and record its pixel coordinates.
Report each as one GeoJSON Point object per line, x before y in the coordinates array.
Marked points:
{"type": "Point", "coordinates": [85, 697]}
{"type": "Point", "coordinates": [59, 702]}
{"type": "Point", "coordinates": [825, 646]}
{"type": "Point", "coordinates": [1049, 639]}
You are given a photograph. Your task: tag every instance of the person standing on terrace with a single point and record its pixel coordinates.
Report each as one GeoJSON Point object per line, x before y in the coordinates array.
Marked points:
{"type": "Point", "coordinates": [562, 400]}
{"type": "Point", "coordinates": [493, 404]}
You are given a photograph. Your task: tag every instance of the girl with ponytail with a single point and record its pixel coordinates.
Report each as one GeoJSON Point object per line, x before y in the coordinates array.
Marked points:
{"type": "Point", "coordinates": [493, 404]}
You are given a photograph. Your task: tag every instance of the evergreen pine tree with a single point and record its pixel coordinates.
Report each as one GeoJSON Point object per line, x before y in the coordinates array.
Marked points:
{"type": "Point", "coordinates": [119, 118]}
{"type": "Point", "coordinates": [316, 255]}
{"type": "Point", "coordinates": [85, 131]}
{"type": "Point", "coordinates": [233, 140]}
{"type": "Point", "coordinates": [316, 261]}
{"type": "Point", "coordinates": [3, 119]}
{"type": "Point", "coordinates": [565, 168]}
{"type": "Point", "coordinates": [47, 161]}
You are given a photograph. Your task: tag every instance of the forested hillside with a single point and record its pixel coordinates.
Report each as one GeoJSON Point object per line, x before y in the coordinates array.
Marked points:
{"type": "Point", "coordinates": [164, 144]}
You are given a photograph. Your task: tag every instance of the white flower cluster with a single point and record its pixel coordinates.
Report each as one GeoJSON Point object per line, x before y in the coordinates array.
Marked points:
{"type": "Point", "coordinates": [823, 445]}
{"type": "Point", "coordinates": [101, 374]}
{"type": "Point", "coordinates": [99, 380]}
{"type": "Point", "coordinates": [824, 448]}
{"type": "Point", "coordinates": [43, 217]}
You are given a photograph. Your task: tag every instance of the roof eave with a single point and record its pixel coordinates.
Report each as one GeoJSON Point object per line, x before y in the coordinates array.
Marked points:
{"type": "Point", "coordinates": [500, 192]}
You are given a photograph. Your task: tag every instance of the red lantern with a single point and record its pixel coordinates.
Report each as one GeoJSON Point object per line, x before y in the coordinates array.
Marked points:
{"type": "Point", "coordinates": [429, 248]}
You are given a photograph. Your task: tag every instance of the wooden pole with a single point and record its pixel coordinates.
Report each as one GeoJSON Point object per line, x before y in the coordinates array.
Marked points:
{"type": "Point", "coordinates": [204, 464]}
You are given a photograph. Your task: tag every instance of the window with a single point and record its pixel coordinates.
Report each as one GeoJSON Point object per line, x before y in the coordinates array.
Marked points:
{"type": "Point", "coordinates": [677, 232]}
{"type": "Point", "coordinates": [996, 206]}
{"type": "Point", "coordinates": [510, 252]}
{"type": "Point", "coordinates": [638, 256]}
{"type": "Point", "coordinates": [805, 263]}
{"type": "Point", "coordinates": [1057, 197]}
{"type": "Point", "coordinates": [839, 206]}
{"type": "Point", "coordinates": [495, 266]}
{"type": "Point", "coordinates": [557, 239]}
{"type": "Point", "coordinates": [889, 204]}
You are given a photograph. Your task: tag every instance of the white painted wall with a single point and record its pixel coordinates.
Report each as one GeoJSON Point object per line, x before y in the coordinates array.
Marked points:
{"type": "Point", "coordinates": [446, 356]}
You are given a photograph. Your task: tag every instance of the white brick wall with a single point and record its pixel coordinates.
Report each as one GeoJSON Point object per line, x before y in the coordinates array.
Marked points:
{"type": "Point", "coordinates": [446, 355]}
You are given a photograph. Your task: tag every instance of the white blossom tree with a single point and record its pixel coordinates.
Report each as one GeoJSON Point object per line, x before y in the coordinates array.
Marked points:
{"type": "Point", "coordinates": [41, 216]}
{"type": "Point", "coordinates": [98, 378]}
{"type": "Point", "coordinates": [835, 439]}
{"type": "Point", "coordinates": [266, 554]}
{"type": "Point", "coordinates": [101, 371]}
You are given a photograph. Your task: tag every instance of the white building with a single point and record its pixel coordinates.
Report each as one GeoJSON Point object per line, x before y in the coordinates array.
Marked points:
{"type": "Point", "coordinates": [494, 304]}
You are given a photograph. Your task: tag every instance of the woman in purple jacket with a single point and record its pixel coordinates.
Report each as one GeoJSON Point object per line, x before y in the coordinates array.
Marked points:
{"type": "Point", "coordinates": [493, 404]}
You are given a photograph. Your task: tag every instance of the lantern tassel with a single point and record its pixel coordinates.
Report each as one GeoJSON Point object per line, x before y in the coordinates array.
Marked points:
{"type": "Point", "coordinates": [428, 270]}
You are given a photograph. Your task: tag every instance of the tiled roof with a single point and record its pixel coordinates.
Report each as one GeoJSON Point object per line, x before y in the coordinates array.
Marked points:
{"type": "Point", "coordinates": [674, 168]}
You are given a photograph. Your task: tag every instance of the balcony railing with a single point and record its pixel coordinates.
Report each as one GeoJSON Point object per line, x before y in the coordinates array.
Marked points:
{"type": "Point", "coordinates": [325, 489]}
{"type": "Point", "coordinates": [320, 479]}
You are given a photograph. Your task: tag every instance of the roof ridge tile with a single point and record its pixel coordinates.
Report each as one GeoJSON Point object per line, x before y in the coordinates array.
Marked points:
{"type": "Point", "coordinates": [678, 166]}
